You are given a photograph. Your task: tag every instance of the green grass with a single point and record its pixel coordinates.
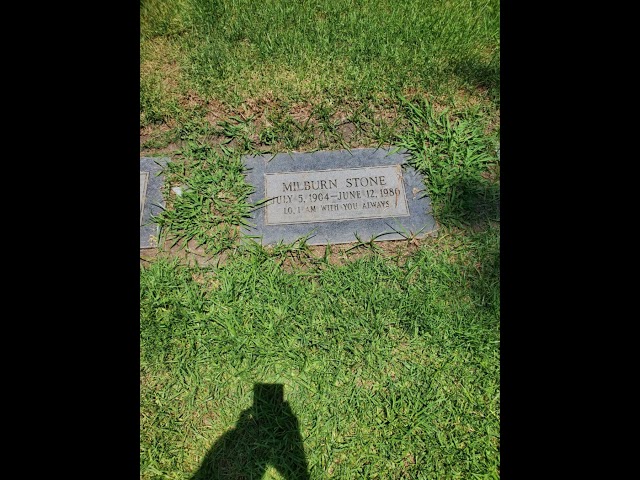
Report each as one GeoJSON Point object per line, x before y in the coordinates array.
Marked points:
{"type": "Point", "coordinates": [212, 203]}
{"type": "Point", "coordinates": [453, 149]}
{"type": "Point", "coordinates": [459, 160]}
{"type": "Point", "coordinates": [314, 51]}
{"type": "Point", "coordinates": [392, 369]}
{"type": "Point", "coordinates": [388, 353]}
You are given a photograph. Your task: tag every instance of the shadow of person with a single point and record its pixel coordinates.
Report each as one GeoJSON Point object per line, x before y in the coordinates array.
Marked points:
{"type": "Point", "coordinates": [266, 434]}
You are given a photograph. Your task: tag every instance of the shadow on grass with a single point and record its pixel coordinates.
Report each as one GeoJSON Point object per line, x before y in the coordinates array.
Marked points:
{"type": "Point", "coordinates": [471, 202]}
{"type": "Point", "coordinates": [480, 74]}
{"type": "Point", "coordinates": [266, 434]}
{"type": "Point", "coordinates": [471, 207]}
{"type": "Point", "coordinates": [475, 204]}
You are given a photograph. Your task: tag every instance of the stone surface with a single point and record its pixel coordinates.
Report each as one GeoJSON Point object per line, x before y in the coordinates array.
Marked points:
{"type": "Point", "coordinates": [330, 195]}
{"type": "Point", "coordinates": [151, 200]}
{"type": "Point", "coordinates": [144, 178]}
{"type": "Point", "coordinates": [336, 196]}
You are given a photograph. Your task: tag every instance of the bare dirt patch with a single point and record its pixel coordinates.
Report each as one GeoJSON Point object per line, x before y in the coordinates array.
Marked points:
{"type": "Point", "coordinates": [306, 257]}
{"type": "Point", "coordinates": [191, 254]}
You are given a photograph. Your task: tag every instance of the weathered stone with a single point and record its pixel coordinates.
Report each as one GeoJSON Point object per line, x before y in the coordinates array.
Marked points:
{"type": "Point", "coordinates": [336, 197]}
{"type": "Point", "coordinates": [151, 200]}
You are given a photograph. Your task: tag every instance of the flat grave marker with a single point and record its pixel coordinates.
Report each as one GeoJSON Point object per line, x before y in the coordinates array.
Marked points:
{"type": "Point", "coordinates": [144, 178]}
{"type": "Point", "coordinates": [336, 197]}
{"type": "Point", "coordinates": [151, 200]}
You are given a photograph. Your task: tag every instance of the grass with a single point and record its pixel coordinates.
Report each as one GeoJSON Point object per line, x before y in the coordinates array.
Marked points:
{"type": "Point", "coordinates": [210, 206]}
{"type": "Point", "coordinates": [452, 148]}
{"type": "Point", "coordinates": [351, 48]}
{"type": "Point", "coordinates": [391, 369]}
{"type": "Point", "coordinates": [231, 52]}
{"type": "Point", "coordinates": [386, 354]}
{"type": "Point", "coordinates": [459, 161]}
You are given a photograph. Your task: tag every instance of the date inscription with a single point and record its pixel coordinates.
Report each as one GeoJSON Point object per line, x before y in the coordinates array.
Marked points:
{"type": "Point", "coordinates": [334, 195]}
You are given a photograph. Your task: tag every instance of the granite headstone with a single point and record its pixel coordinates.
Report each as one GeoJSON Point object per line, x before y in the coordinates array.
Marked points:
{"type": "Point", "coordinates": [336, 197]}
{"type": "Point", "coordinates": [151, 200]}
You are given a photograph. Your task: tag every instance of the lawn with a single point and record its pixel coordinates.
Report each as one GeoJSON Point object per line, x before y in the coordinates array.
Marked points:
{"type": "Point", "coordinates": [365, 360]}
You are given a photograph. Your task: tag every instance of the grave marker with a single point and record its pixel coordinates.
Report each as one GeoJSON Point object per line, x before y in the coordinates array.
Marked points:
{"type": "Point", "coordinates": [334, 196]}
{"type": "Point", "coordinates": [151, 201]}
